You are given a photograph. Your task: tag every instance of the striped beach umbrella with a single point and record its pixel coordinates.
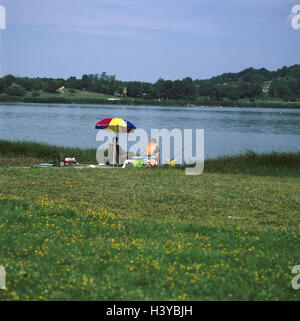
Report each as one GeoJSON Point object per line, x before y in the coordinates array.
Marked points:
{"type": "Point", "coordinates": [117, 125]}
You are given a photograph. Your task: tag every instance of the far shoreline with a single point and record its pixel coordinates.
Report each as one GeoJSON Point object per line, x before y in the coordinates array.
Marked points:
{"type": "Point", "coordinates": [148, 102]}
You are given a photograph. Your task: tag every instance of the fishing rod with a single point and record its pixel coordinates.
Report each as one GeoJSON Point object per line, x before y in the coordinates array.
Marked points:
{"type": "Point", "coordinates": [184, 149]}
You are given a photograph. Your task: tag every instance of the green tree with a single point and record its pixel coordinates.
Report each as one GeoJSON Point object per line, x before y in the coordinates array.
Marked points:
{"type": "Point", "coordinates": [25, 82]}
{"type": "Point", "coordinates": [188, 88]}
{"type": "Point", "coordinates": [72, 91]}
{"type": "Point", "coordinates": [84, 82]}
{"type": "Point", "coordinates": [279, 88]}
{"type": "Point", "coordinates": [51, 86]}
{"type": "Point", "coordinates": [8, 80]}
{"type": "Point", "coordinates": [15, 90]}
{"type": "Point", "coordinates": [134, 89]}
{"type": "Point", "coordinates": [157, 88]}
{"type": "Point", "coordinates": [72, 82]}
{"type": "Point", "coordinates": [108, 83]}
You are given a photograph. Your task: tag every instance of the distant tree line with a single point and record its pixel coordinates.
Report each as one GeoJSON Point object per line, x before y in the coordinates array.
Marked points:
{"type": "Point", "coordinates": [249, 83]}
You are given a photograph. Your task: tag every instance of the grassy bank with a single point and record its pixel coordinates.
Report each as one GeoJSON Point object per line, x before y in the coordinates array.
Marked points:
{"type": "Point", "coordinates": [27, 153]}
{"type": "Point", "coordinates": [149, 234]}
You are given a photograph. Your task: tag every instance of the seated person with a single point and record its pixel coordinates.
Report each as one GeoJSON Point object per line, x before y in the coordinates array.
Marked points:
{"type": "Point", "coordinates": [153, 157]}
{"type": "Point", "coordinates": [120, 154]}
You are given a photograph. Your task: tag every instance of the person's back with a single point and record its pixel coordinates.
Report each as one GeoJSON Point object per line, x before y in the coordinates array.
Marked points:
{"type": "Point", "coordinates": [152, 148]}
{"type": "Point", "coordinates": [153, 152]}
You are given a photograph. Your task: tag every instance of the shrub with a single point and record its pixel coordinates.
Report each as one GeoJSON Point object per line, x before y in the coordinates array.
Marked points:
{"type": "Point", "coordinates": [16, 90]}
{"type": "Point", "coordinates": [35, 94]}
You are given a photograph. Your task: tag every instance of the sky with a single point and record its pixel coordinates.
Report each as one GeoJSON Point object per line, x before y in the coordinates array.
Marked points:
{"type": "Point", "coordinates": [146, 39]}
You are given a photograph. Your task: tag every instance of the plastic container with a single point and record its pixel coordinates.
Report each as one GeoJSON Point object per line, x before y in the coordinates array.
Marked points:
{"type": "Point", "coordinates": [171, 163]}
{"type": "Point", "coordinates": [138, 161]}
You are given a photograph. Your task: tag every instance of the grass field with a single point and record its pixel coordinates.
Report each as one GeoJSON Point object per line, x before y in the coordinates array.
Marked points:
{"type": "Point", "coordinates": [77, 94]}
{"type": "Point", "coordinates": [148, 234]}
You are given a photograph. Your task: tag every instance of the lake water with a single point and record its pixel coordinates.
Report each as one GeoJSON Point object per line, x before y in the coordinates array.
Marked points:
{"type": "Point", "coordinates": [227, 130]}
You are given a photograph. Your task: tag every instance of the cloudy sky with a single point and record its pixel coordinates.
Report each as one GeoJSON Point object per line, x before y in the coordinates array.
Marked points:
{"type": "Point", "coordinates": [147, 39]}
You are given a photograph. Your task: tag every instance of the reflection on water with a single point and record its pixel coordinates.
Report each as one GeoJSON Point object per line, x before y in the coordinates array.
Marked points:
{"type": "Point", "coordinates": [227, 130]}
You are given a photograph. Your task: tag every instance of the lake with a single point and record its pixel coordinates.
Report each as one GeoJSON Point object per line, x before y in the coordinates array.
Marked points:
{"type": "Point", "coordinates": [227, 130]}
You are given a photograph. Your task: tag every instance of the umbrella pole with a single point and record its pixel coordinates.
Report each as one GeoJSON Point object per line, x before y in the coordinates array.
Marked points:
{"type": "Point", "coordinates": [114, 151]}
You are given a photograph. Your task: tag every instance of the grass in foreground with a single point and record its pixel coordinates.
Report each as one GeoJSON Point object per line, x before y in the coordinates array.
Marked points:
{"type": "Point", "coordinates": [149, 234]}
